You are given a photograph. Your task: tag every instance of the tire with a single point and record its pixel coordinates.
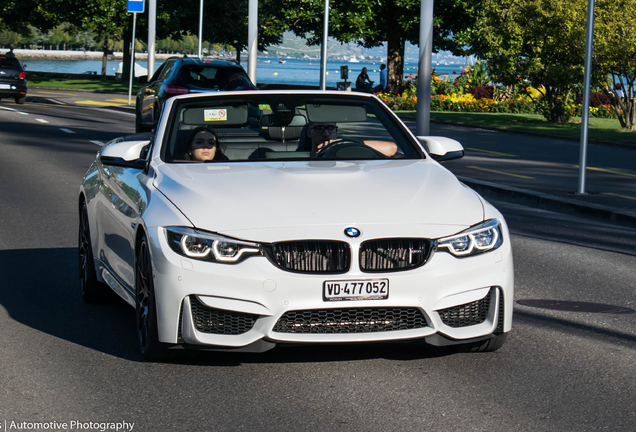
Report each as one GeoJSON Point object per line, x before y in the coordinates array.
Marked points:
{"type": "Point", "coordinates": [20, 100]}
{"type": "Point", "coordinates": [139, 126]}
{"type": "Point", "coordinates": [146, 310]}
{"type": "Point", "coordinates": [91, 289]}
{"type": "Point", "coordinates": [488, 345]}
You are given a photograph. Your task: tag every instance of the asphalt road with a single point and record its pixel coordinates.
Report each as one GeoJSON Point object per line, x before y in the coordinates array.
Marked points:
{"type": "Point", "coordinates": [63, 360]}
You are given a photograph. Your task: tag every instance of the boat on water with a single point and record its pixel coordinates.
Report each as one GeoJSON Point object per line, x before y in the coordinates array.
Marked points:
{"type": "Point", "coordinates": [281, 61]}
{"type": "Point", "coordinates": [353, 59]}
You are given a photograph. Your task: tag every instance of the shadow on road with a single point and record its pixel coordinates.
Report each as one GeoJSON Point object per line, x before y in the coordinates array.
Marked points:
{"type": "Point", "coordinates": [40, 290]}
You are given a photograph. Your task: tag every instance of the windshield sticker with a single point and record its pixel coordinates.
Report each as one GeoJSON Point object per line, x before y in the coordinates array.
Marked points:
{"type": "Point", "coordinates": [264, 106]}
{"type": "Point", "coordinates": [215, 115]}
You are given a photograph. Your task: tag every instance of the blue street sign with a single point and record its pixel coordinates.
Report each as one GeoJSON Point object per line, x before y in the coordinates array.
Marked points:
{"type": "Point", "coordinates": [136, 6]}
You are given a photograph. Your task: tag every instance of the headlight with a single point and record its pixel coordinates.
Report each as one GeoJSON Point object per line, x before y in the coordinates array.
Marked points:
{"type": "Point", "coordinates": [478, 239]}
{"type": "Point", "coordinates": [207, 246]}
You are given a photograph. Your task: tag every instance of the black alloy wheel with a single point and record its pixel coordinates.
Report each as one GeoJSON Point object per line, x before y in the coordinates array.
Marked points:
{"type": "Point", "coordinates": [92, 290]}
{"type": "Point", "coordinates": [146, 309]}
{"type": "Point", "coordinates": [139, 126]}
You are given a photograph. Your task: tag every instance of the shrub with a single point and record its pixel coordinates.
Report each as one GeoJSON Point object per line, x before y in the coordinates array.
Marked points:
{"type": "Point", "coordinates": [596, 99]}
{"type": "Point", "coordinates": [482, 92]}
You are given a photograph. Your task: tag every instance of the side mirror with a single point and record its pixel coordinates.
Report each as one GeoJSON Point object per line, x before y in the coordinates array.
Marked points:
{"type": "Point", "coordinates": [126, 154]}
{"type": "Point", "coordinates": [142, 79]}
{"type": "Point", "coordinates": [442, 148]}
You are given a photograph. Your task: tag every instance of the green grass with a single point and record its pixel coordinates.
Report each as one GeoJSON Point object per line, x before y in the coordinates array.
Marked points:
{"type": "Point", "coordinates": [88, 84]}
{"type": "Point", "coordinates": [601, 130]}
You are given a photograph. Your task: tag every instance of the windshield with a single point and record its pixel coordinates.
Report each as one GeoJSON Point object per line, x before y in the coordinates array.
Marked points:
{"type": "Point", "coordinates": [270, 127]}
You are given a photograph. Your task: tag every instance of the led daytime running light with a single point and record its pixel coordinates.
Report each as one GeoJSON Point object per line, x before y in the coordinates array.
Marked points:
{"type": "Point", "coordinates": [474, 246]}
{"type": "Point", "coordinates": [189, 253]}
{"type": "Point", "coordinates": [208, 246]}
{"type": "Point", "coordinates": [241, 251]}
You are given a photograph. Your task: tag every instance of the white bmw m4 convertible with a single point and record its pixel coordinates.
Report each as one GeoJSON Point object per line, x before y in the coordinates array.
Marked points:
{"type": "Point", "coordinates": [252, 219]}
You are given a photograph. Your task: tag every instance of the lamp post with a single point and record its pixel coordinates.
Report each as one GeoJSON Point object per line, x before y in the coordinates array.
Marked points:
{"type": "Point", "coordinates": [323, 51]}
{"type": "Point", "coordinates": [200, 26]}
{"type": "Point", "coordinates": [585, 112]}
{"type": "Point", "coordinates": [252, 41]}
{"type": "Point", "coordinates": [425, 69]}
{"type": "Point", "coordinates": [152, 23]}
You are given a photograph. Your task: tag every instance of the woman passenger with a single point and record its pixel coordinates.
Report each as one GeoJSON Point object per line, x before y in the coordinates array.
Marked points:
{"type": "Point", "coordinates": [204, 146]}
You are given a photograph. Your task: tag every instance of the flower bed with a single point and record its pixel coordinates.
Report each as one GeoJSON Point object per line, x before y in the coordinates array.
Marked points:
{"type": "Point", "coordinates": [466, 91]}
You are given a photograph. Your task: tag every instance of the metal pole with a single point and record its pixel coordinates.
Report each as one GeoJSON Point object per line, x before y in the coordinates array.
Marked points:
{"type": "Point", "coordinates": [585, 111]}
{"type": "Point", "coordinates": [200, 26]}
{"type": "Point", "coordinates": [425, 69]}
{"type": "Point", "coordinates": [252, 43]}
{"type": "Point", "coordinates": [132, 58]}
{"type": "Point", "coordinates": [323, 51]}
{"type": "Point", "coordinates": [152, 24]}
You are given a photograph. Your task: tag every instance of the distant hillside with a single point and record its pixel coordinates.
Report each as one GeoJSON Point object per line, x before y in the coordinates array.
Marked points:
{"type": "Point", "coordinates": [296, 47]}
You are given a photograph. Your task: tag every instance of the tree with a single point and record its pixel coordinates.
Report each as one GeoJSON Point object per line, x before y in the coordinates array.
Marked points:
{"type": "Point", "coordinates": [223, 22]}
{"type": "Point", "coordinates": [58, 36]}
{"type": "Point", "coordinates": [538, 43]}
{"type": "Point", "coordinates": [615, 56]}
{"type": "Point", "coordinates": [370, 23]}
{"type": "Point", "coordinates": [10, 38]}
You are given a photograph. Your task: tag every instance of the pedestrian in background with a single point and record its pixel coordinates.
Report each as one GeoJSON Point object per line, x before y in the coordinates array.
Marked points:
{"type": "Point", "coordinates": [383, 78]}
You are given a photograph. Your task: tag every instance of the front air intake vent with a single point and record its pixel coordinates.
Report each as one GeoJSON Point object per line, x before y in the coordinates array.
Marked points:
{"type": "Point", "coordinates": [468, 314]}
{"type": "Point", "coordinates": [351, 320]}
{"type": "Point", "coordinates": [219, 321]}
{"type": "Point", "coordinates": [311, 256]}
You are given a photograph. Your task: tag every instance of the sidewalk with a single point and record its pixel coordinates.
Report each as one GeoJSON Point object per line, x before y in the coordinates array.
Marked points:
{"type": "Point", "coordinates": [531, 170]}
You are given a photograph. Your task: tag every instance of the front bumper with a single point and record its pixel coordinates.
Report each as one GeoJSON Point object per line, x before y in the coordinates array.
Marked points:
{"type": "Point", "coordinates": [249, 304]}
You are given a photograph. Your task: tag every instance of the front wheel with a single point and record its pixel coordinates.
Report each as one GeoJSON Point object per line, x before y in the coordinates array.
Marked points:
{"type": "Point", "coordinates": [92, 290]}
{"type": "Point", "coordinates": [139, 126]}
{"type": "Point", "coordinates": [146, 308]}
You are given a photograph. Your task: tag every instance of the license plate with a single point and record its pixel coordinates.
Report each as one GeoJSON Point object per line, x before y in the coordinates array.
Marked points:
{"type": "Point", "coordinates": [362, 289]}
{"type": "Point", "coordinates": [5, 86]}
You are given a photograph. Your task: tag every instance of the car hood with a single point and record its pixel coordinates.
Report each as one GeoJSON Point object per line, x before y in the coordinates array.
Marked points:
{"type": "Point", "coordinates": [247, 200]}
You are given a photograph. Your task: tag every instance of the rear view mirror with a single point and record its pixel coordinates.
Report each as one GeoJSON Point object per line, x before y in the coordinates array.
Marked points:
{"type": "Point", "coordinates": [442, 148]}
{"type": "Point", "coordinates": [269, 120]}
{"type": "Point", "coordinates": [320, 113]}
{"type": "Point", "coordinates": [142, 79]}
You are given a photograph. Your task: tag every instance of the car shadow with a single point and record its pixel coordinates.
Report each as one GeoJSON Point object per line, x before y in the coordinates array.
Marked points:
{"type": "Point", "coordinates": [41, 291]}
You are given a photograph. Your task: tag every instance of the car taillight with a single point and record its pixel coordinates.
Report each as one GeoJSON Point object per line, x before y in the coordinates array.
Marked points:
{"type": "Point", "coordinates": [174, 90]}
{"type": "Point", "coordinates": [22, 75]}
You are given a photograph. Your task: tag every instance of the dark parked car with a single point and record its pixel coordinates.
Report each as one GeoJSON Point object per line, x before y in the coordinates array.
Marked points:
{"type": "Point", "coordinates": [12, 79]}
{"type": "Point", "coordinates": [179, 76]}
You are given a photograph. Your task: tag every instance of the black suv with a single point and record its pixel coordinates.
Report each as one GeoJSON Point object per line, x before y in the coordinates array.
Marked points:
{"type": "Point", "coordinates": [12, 79]}
{"type": "Point", "coordinates": [186, 75]}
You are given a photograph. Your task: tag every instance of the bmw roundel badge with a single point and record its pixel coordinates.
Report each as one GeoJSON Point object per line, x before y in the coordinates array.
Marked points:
{"type": "Point", "coordinates": [352, 232]}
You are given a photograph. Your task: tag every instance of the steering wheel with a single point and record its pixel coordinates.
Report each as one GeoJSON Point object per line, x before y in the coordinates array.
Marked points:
{"type": "Point", "coordinates": [349, 149]}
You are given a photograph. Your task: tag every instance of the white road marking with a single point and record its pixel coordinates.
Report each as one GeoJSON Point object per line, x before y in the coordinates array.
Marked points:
{"type": "Point", "coordinates": [67, 130]}
{"type": "Point", "coordinates": [14, 110]}
{"type": "Point", "coordinates": [41, 120]}
{"type": "Point", "coordinates": [99, 143]}
{"type": "Point", "coordinates": [115, 111]}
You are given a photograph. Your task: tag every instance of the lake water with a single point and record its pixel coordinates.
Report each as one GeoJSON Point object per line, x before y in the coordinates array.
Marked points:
{"type": "Point", "coordinates": [293, 71]}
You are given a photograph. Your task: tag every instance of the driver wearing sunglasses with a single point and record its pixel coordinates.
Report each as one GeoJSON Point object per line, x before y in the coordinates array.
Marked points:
{"type": "Point", "coordinates": [324, 134]}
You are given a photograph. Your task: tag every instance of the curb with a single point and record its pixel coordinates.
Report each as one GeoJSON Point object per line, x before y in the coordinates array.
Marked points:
{"type": "Point", "coordinates": [551, 202]}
